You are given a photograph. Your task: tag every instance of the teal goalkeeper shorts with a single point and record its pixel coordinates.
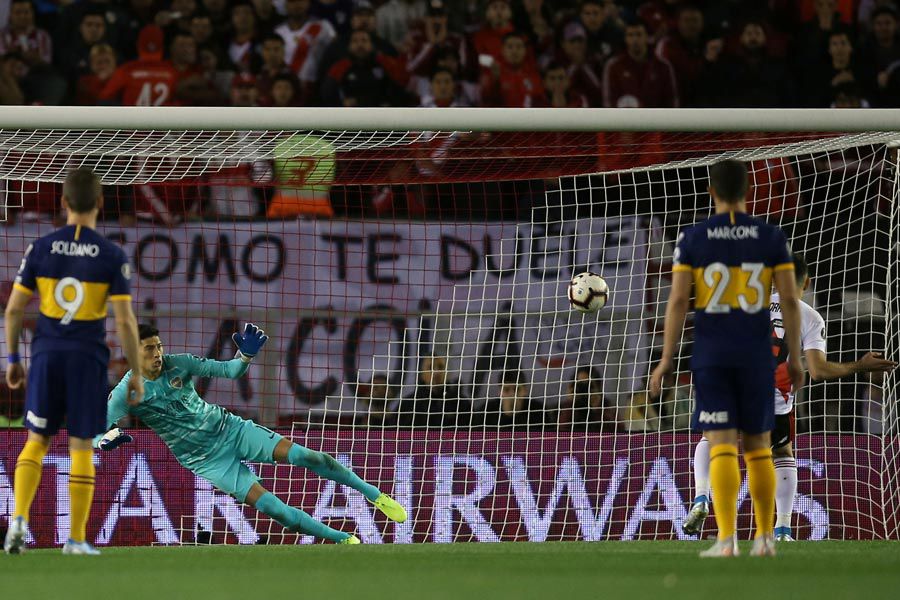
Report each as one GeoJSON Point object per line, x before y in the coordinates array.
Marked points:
{"type": "Point", "coordinates": [244, 440]}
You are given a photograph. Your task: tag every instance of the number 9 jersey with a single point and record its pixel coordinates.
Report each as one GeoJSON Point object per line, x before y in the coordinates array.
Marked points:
{"type": "Point", "coordinates": [732, 257]}
{"type": "Point", "coordinates": [74, 270]}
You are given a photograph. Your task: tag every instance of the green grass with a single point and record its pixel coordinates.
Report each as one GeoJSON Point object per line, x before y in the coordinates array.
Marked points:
{"type": "Point", "coordinates": [659, 570]}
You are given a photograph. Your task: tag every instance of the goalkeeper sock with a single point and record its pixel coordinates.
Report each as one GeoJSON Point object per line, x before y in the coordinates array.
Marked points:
{"type": "Point", "coordinates": [296, 520]}
{"type": "Point", "coordinates": [761, 481]}
{"type": "Point", "coordinates": [701, 471]}
{"type": "Point", "coordinates": [28, 476]}
{"type": "Point", "coordinates": [785, 489]}
{"type": "Point", "coordinates": [81, 491]}
{"type": "Point", "coordinates": [725, 476]}
{"type": "Point", "coordinates": [326, 466]}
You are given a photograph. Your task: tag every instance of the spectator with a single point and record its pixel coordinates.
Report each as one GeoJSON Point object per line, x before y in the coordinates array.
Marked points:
{"type": "Point", "coordinates": [436, 402]}
{"type": "Point", "coordinates": [177, 19]}
{"type": "Point", "coordinates": [365, 77]}
{"type": "Point", "coordinates": [202, 29]}
{"type": "Point", "coordinates": [433, 40]}
{"type": "Point", "coordinates": [534, 18]}
{"type": "Point", "coordinates": [267, 18]}
{"type": "Point", "coordinates": [242, 44]}
{"type": "Point", "coordinates": [147, 81]}
{"type": "Point", "coordinates": [879, 51]}
{"type": "Point", "coordinates": [604, 27]}
{"type": "Point", "coordinates": [21, 35]}
{"type": "Point", "coordinates": [136, 14]}
{"type": "Point", "coordinates": [584, 75]}
{"type": "Point", "coordinates": [337, 12]}
{"type": "Point", "coordinates": [811, 42]}
{"type": "Point", "coordinates": [219, 13]}
{"type": "Point", "coordinates": [466, 93]}
{"type": "Point", "coordinates": [641, 414]}
{"type": "Point", "coordinates": [684, 49]}
{"type": "Point", "coordinates": [211, 61]}
{"type": "Point", "coordinates": [244, 91]}
{"type": "Point", "coordinates": [193, 88]}
{"type": "Point", "coordinates": [74, 58]}
{"type": "Point", "coordinates": [635, 78]}
{"type": "Point", "coordinates": [361, 19]}
{"type": "Point", "coordinates": [393, 18]}
{"type": "Point", "coordinates": [849, 96]}
{"type": "Point", "coordinates": [283, 91]}
{"type": "Point", "coordinates": [305, 41]}
{"type": "Point", "coordinates": [273, 66]}
{"type": "Point", "coordinates": [585, 408]}
{"type": "Point", "coordinates": [557, 92]}
{"type": "Point", "coordinates": [513, 82]}
{"type": "Point", "coordinates": [443, 90]}
{"type": "Point", "coordinates": [748, 78]}
{"type": "Point", "coordinates": [774, 193]}
{"type": "Point", "coordinates": [490, 39]}
{"type": "Point", "coordinates": [378, 400]}
{"type": "Point", "coordinates": [514, 409]}
{"type": "Point", "coordinates": [102, 65]}
{"type": "Point", "coordinates": [120, 33]}
{"type": "Point", "coordinates": [819, 89]}
{"type": "Point", "coordinates": [12, 71]}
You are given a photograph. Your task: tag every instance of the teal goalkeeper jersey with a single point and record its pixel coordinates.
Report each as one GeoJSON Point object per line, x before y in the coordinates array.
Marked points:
{"type": "Point", "coordinates": [191, 427]}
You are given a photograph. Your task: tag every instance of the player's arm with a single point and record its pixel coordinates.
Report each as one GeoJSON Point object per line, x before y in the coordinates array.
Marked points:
{"type": "Point", "coordinates": [676, 312]}
{"type": "Point", "coordinates": [249, 343]}
{"type": "Point", "coordinates": [822, 369]}
{"type": "Point", "coordinates": [116, 410]}
{"type": "Point", "coordinates": [13, 319]}
{"type": "Point", "coordinates": [127, 331]}
{"type": "Point", "coordinates": [14, 316]}
{"type": "Point", "coordinates": [789, 296]}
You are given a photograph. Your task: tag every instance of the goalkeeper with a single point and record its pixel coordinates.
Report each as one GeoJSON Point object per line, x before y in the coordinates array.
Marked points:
{"type": "Point", "coordinates": [213, 443]}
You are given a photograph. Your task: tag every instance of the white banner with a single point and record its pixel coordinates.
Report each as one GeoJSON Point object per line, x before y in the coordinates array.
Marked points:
{"type": "Point", "coordinates": [343, 299]}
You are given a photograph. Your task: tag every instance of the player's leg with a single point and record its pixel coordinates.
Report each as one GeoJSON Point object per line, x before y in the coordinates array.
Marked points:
{"type": "Point", "coordinates": [293, 519]}
{"type": "Point", "coordinates": [86, 393]}
{"type": "Point", "coordinates": [757, 421]}
{"type": "Point", "coordinates": [785, 475]}
{"type": "Point", "coordinates": [44, 404]}
{"type": "Point", "coordinates": [326, 466]}
{"type": "Point", "coordinates": [700, 507]}
{"type": "Point", "coordinates": [715, 412]}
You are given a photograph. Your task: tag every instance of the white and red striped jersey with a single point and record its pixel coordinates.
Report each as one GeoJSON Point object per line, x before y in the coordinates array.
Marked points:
{"type": "Point", "coordinates": [304, 47]}
{"type": "Point", "coordinates": [812, 337]}
{"type": "Point", "coordinates": [35, 40]}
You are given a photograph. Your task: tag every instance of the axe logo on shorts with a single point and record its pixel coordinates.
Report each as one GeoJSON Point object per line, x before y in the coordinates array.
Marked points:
{"type": "Point", "coordinates": [720, 416]}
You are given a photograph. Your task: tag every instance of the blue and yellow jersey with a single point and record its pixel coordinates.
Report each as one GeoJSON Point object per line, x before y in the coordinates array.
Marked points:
{"type": "Point", "coordinates": [75, 271]}
{"type": "Point", "coordinates": [732, 258]}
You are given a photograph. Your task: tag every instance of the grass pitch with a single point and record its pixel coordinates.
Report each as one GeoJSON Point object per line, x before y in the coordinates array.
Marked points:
{"type": "Point", "coordinates": [667, 570]}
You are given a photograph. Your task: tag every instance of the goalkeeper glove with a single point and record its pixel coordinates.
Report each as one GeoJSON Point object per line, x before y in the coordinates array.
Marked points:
{"type": "Point", "coordinates": [114, 438]}
{"type": "Point", "coordinates": [251, 341]}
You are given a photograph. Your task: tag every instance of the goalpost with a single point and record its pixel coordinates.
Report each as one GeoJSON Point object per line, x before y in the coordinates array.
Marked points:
{"type": "Point", "coordinates": [435, 237]}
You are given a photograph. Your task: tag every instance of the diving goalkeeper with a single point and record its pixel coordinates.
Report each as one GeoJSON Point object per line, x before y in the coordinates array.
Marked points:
{"type": "Point", "coordinates": [213, 443]}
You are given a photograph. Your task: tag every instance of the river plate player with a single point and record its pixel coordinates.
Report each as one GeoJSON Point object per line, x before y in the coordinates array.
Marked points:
{"type": "Point", "coordinates": [730, 261]}
{"type": "Point", "coordinates": [213, 443]}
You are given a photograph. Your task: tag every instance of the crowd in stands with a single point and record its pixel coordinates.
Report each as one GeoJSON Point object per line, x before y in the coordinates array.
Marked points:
{"type": "Point", "coordinates": [510, 53]}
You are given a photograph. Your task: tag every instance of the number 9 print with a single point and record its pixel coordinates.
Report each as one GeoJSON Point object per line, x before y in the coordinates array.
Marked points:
{"type": "Point", "coordinates": [70, 306]}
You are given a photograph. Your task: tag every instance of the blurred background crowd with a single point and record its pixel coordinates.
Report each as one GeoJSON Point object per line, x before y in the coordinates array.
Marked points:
{"type": "Point", "coordinates": [511, 53]}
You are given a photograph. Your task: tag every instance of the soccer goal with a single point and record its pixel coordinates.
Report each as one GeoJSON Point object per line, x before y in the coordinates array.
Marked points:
{"type": "Point", "coordinates": [411, 267]}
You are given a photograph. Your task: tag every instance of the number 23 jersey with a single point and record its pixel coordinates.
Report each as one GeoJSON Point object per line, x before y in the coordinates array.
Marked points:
{"type": "Point", "coordinates": [732, 258]}
{"type": "Point", "coordinates": [75, 271]}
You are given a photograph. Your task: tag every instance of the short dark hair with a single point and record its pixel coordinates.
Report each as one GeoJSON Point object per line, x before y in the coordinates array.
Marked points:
{"type": "Point", "coordinates": [272, 37]}
{"type": "Point", "coordinates": [514, 377]}
{"type": "Point", "coordinates": [801, 269]}
{"type": "Point", "coordinates": [515, 34]}
{"type": "Point", "coordinates": [730, 180]}
{"type": "Point", "coordinates": [81, 190]}
{"type": "Point", "coordinates": [883, 10]}
{"type": "Point", "coordinates": [440, 70]}
{"type": "Point", "coordinates": [146, 330]}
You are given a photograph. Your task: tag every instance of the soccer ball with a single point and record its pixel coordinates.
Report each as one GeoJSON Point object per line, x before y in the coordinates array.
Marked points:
{"type": "Point", "coordinates": [588, 292]}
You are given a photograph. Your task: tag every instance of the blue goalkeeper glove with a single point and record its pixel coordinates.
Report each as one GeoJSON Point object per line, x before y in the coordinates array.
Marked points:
{"type": "Point", "coordinates": [114, 438]}
{"type": "Point", "coordinates": [251, 341]}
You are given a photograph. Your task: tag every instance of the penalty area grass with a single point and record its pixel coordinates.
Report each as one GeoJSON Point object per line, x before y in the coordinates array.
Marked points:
{"type": "Point", "coordinates": [470, 571]}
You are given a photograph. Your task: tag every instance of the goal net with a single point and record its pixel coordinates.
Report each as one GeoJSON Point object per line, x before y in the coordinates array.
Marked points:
{"type": "Point", "coordinates": [413, 284]}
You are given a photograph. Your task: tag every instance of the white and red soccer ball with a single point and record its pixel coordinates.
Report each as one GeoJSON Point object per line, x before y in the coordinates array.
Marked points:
{"type": "Point", "coordinates": [588, 292]}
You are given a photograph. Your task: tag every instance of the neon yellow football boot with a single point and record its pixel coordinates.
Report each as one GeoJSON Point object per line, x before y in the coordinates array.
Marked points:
{"type": "Point", "coordinates": [390, 507]}
{"type": "Point", "coordinates": [350, 541]}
